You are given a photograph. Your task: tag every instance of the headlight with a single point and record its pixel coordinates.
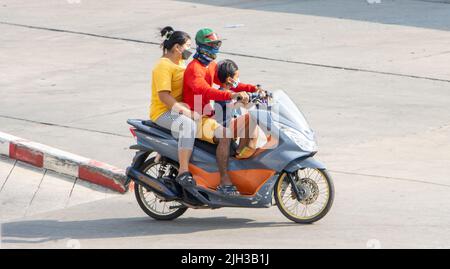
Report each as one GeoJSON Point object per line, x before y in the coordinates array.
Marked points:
{"type": "Point", "coordinates": [300, 139]}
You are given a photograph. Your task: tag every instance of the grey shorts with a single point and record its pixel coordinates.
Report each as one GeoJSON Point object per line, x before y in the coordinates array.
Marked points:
{"type": "Point", "coordinates": [183, 128]}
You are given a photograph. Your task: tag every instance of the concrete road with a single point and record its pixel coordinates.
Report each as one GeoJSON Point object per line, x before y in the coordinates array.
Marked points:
{"type": "Point", "coordinates": [372, 79]}
{"type": "Point", "coordinates": [26, 190]}
{"type": "Point", "coordinates": [368, 213]}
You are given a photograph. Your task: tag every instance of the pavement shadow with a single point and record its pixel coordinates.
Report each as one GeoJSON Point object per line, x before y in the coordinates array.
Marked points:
{"type": "Point", "coordinates": [426, 13]}
{"type": "Point", "coordinates": [38, 231]}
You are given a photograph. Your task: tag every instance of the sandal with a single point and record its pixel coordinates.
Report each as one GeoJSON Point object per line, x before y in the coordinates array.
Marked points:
{"type": "Point", "coordinates": [185, 179]}
{"type": "Point", "coordinates": [229, 190]}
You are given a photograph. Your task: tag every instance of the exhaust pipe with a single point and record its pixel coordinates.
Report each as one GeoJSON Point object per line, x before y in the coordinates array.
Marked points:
{"type": "Point", "coordinates": [151, 183]}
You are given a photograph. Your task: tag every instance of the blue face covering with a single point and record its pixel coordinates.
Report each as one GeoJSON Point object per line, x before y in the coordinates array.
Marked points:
{"type": "Point", "coordinates": [206, 54]}
{"type": "Point", "coordinates": [209, 49]}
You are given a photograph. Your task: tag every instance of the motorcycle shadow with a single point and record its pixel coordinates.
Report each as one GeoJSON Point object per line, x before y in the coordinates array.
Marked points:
{"type": "Point", "coordinates": [40, 231]}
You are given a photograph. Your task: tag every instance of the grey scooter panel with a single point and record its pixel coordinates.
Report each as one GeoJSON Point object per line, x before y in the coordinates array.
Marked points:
{"type": "Point", "coordinates": [304, 163]}
{"type": "Point", "coordinates": [262, 199]}
{"type": "Point", "coordinates": [166, 145]}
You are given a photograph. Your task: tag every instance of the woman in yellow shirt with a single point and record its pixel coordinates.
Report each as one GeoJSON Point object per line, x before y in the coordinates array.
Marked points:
{"type": "Point", "coordinates": [166, 108]}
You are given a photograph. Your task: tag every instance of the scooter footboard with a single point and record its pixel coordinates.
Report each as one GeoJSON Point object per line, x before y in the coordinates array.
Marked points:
{"type": "Point", "coordinates": [214, 199]}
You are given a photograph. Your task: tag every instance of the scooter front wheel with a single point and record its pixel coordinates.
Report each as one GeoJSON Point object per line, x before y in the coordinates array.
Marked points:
{"type": "Point", "coordinates": [317, 195]}
{"type": "Point", "coordinates": [152, 204]}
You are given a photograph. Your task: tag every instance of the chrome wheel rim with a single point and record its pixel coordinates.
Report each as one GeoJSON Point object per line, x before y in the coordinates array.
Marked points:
{"type": "Point", "coordinates": [153, 202]}
{"type": "Point", "coordinates": [316, 194]}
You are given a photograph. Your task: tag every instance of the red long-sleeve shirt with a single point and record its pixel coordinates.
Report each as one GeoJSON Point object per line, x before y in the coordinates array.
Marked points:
{"type": "Point", "coordinates": [199, 79]}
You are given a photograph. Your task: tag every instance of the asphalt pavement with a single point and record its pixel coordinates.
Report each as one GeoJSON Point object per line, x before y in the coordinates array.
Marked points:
{"type": "Point", "coordinates": [372, 79]}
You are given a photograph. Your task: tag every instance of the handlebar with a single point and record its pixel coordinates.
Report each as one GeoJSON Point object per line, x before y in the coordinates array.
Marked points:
{"type": "Point", "coordinates": [255, 97]}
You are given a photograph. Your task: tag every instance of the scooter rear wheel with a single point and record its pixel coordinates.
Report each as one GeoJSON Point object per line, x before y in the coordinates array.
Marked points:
{"type": "Point", "coordinates": [318, 189]}
{"type": "Point", "coordinates": [149, 202]}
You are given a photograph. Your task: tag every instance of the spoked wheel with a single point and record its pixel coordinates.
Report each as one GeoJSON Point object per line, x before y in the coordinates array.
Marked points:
{"type": "Point", "coordinates": [316, 190]}
{"type": "Point", "coordinates": [152, 204]}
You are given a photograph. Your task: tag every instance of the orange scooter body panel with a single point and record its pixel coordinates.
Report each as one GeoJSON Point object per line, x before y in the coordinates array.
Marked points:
{"type": "Point", "coordinates": [246, 181]}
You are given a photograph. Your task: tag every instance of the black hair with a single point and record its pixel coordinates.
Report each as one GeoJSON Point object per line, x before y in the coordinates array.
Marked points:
{"type": "Point", "coordinates": [225, 69]}
{"type": "Point", "coordinates": [172, 37]}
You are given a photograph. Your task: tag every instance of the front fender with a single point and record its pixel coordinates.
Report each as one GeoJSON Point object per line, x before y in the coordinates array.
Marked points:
{"type": "Point", "coordinates": [300, 163]}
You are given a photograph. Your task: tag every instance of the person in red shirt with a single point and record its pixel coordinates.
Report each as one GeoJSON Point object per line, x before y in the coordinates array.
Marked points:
{"type": "Point", "coordinates": [225, 111]}
{"type": "Point", "coordinates": [199, 77]}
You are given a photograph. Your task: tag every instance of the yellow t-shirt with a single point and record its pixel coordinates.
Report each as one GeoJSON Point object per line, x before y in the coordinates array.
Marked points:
{"type": "Point", "coordinates": [166, 76]}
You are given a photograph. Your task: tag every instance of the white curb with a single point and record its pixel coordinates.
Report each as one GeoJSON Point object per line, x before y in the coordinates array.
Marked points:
{"type": "Point", "coordinates": [63, 162]}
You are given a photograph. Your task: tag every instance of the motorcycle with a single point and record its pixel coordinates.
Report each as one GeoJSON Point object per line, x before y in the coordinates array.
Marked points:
{"type": "Point", "coordinates": [281, 172]}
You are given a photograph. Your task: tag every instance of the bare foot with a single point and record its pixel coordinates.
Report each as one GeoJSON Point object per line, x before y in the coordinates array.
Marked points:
{"type": "Point", "coordinates": [225, 180]}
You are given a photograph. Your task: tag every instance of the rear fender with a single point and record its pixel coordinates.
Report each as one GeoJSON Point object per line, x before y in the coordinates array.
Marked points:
{"type": "Point", "coordinates": [139, 158]}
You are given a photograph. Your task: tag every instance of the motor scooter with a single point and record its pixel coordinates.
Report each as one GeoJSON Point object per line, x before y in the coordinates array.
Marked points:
{"type": "Point", "coordinates": [281, 172]}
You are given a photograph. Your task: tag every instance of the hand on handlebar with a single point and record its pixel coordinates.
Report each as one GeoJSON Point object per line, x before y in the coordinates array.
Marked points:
{"type": "Point", "coordinates": [241, 96]}
{"type": "Point", "coordinates": [260, 91]}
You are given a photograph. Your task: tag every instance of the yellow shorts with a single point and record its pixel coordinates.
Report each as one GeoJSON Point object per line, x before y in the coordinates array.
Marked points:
{"type": "Point", "coordinates": [206, 129]}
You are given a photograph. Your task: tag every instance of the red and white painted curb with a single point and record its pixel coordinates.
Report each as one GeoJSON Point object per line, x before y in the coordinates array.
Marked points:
{"type": "Point", "coordinates": [63, 162]}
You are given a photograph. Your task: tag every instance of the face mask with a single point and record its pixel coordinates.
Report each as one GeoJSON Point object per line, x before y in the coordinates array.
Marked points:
{"type": "Point", "coordinates": [186, 54]}
{"type": "Point", "coordinates": [235, 83]}
{"type": "Point", "coordinates": [212, 50]}
{"type": "Point", "coordinates": [208, 50]}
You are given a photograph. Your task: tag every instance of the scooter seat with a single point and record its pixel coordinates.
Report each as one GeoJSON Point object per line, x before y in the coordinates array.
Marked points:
{"type": "Point", "coordinates": [206, 146]}
{"type": "Point", "coordinates": [151, 124]}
